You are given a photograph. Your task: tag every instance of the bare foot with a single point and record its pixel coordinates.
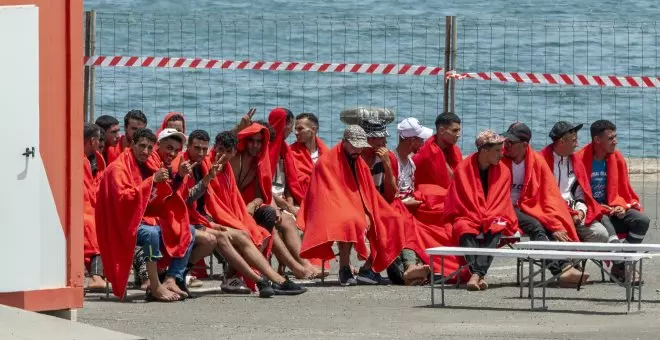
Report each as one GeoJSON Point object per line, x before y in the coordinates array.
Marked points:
{"type": "Point", "coordinates": [145, 285]}
{"type": "Point", "coordinates": [161, 293]}
{"type": "Point", "coordinates": [473, 283]}
{"type": "Point", "coordinates": [314, 272]}
{"type": "Point", "coordinates": [483, 285]}
{"type": "Point", "coordinates": [170, 284]}
{"type": "Point", "coordinates": [571, 278]}
{"type": "Point", "coordinates": [96, 282]}
{"type": "Point", "coordinates": [416, 274]}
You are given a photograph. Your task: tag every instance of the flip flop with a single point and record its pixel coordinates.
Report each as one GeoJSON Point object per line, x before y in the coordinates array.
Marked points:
{"type": "Point", "coordinates": [148, 297]}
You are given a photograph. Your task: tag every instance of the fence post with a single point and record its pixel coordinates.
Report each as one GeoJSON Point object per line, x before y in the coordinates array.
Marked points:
{"type": "Point", "coordinates": [90, 49]}
{"type": "Point", "coordinates": [445, 90]}
{"type": "Point", "coordinates": [452, 82]}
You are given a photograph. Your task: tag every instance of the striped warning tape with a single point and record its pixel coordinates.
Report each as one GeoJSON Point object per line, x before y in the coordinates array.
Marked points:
{"type": "Point", "coordinates": [560, 79]}
{"type": "Point", "coordinates": [393, 69]}
{"type": "Point", "coordinates": [201, 63]}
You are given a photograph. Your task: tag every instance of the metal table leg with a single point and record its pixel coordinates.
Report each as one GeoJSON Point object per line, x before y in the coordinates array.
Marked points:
{"type": "Point", "coordinates": [521, 282]}
{"type": "Point", "coordinates": [442, 268]}
{"type": "Point", "coordinates": [628, 284]}
{"type": "Point", "coordinates": [543, 281]}
{"type": "Point", "coordinates": [531, 283]}
{"type": "Point", "coordinates": [432, 282]}
{"type": "Point", "coordinates": [639, 287]}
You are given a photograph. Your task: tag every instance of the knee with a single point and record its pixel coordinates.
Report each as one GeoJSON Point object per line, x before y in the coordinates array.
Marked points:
{"type": "Point", "coordinates": [222, 239]}
{"type": "Point", "coordinates": [598, 234]}
{"type": "Point", "coordinates": [150, 235]}
{"type": "Point", "coordinates": [643, 222]}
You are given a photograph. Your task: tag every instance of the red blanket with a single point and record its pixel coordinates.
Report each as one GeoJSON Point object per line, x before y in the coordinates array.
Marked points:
{"type": "Point", "coordinates": [163, 125]}
{"type": "Point", "coordinates": [468, 211]}
{"type": "Point", "coordinates": [264, 174]}
{"type": "Point", "coordinates": [122, 201]}
{"type": "Point", "coordinates": [432, 178]}
{"type": "Point", "coordinates": [90, 186]}
{"type": "Point", "coordinates": [279, 149]}
{"type": "Point", "coordinates": [619, 190]}
{"type": "Point", "coordinates": [112, 152]}
{"type": "Point", "coordinates": [541, 198]}
{"type": "Point", "coordinates": [304, 161]}
{"type": "Point", "coordinates": [334, 210]}
{"type": "Point", "coordinates": [594, 210]}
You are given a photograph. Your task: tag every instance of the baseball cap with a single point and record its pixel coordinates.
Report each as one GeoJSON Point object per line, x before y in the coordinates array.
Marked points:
{"type": "Point", "coordinates": [488, 137]}
{"type": "Point", "coordinates": [518, 132]}
{"type": "Point", "coordinates": [410, 127]}
{"type": "Point", "coordinates": [374, 128]}
{"type": "Point", "coordinates": [356, 135]}
{"type": "Point", "coordinates": [169, 132]}
{"type": "Point", "coordinates": [563, 127]}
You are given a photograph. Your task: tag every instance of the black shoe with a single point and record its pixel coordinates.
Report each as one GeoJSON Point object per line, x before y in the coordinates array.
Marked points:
{"type": "Point", "coordinates": [346, 277]}
{"type": "Point", "coordinates": [368, 276]}
{"type": "Point", "coordinates": [288, 288]}
{"type": "Point", "coordinates": [182, 285]}
{"type": "Point", "coordinates": [265, 288]}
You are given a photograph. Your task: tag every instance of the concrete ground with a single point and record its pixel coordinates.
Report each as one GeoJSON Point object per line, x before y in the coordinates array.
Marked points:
{"type": "Point", "coordinates": [330, 312]}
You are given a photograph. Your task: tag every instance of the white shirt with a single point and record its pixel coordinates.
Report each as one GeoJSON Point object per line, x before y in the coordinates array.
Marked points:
{"type": "Point", "coordinates": [569, 187]}
{"type": "Point", "coordinates": [315, 156]}
{"type": "Point", "coordinates": [406, 181]}
{"type": "Point", "coordinates": [279, 181]}
{"type": "Point", "coordinates": [518, 180]}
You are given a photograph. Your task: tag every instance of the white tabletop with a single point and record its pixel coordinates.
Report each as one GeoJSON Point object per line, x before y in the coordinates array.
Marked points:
{"type": "Point", "coordinates": [537, 254]}
{"type": "Point", "coordinates": [588, 246]}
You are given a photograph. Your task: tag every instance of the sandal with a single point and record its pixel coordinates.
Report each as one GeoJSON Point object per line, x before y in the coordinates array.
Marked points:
{"type": "Point", "coordinates": [148, 297]}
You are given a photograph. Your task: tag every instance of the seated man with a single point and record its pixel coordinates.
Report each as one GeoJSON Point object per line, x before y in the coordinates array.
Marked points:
{"type": "Point", "coordinates": [539, 207]}
{"type": "Point", "coordinates": [478, 202]}
{"type": "Point", "coordinates": [287, 191]}
{"type": "Point", "coordinates": [342, 205]}
{"type": "Point", "coordinates": [434, 165]}
{"type": "Point", "coordinates": [133, 120]}
{"type": "Point", "coordinates": [136, 204]}
{"type": "Point", "coordinates": [251, 166]}
{"type": "Point", "coordinates": [308, 147]}
{"type": "Point", "coordinates": [110, 126]}
{"type": "Point", "coordinates": [208, 197]}
{"type": "Point", "coordinates": [610, 186]}
{"type": "Point", "coordinates": [574, 186]}
{"type": "Point", "coordinates": [93, 167]}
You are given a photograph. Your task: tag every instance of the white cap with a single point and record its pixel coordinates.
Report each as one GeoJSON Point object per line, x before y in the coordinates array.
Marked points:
{"type": "Point", "coordinates": [410, 127]}
{"type": "Point", "coordinates": [169, 132]}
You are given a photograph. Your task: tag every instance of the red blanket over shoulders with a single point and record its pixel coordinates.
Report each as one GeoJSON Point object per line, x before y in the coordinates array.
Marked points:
{"type": "Point", "coordinates": [112, 152]}
{"type": "Point", "coordinates": [90, 187]}
{"type": "Point", "coordinates": [619, 190]}
{"type": "Point", "coordinates": [122, 200]}
{"type": "Point", "coordinates": [334, 210]}
{"type": "Point", "coordinates": [264, 174]}
{"type": "Point", "coordinates": [468, 211]}
{"type": "Point", "coordinates": [432, 179]}
{"type": "Point", "coordinates": [304, 161]}
{"type": "Point", "coordinates": [594, 210]}
{"type": "Point", "coordinates": [541, 198]}
{"type": "Point", "coordinates": [279, 149]}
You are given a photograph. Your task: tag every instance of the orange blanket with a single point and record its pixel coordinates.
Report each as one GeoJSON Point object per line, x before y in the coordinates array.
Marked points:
{"type": "Point", "coordinates": [619, 190]}
{"type": "Point", "coordinates": [122, 200]}
{"type": "Point", "coordinates": [90, 186]}
{"type": "Point", "coordinates": [468, 211]}
{"type": "Point", "coordinates": [432, 178]}
{"type": "Point", "coordinates": [112, 152]}
{"type": "Point", "coordinates": [540, 196]}
{"type": "Point", "coordinates": [334, 210]}
{"type": "Point", "coordinates": [304, 161]}
{"type": "Point", "coordinates": [279, 149]}
{"type": "Point", "coordinates": [264, 174]}
{"type": "Point", "coordinates": [594, 210]}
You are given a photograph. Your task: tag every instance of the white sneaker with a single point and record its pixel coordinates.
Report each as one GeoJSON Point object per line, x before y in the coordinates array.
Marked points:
{"type": "Point", "coordinates": [235, 285]}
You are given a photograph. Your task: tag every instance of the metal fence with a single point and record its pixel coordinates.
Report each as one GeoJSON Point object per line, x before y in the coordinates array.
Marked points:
{"type": "Point", "coordinates": [214, 99]}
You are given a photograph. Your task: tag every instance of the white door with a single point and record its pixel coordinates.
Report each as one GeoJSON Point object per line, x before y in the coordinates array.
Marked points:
{"type": "Point", "coordinates": [21, 169]}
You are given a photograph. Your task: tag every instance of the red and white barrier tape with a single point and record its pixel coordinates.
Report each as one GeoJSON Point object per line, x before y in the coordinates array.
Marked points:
{"type": "Point", "coordinates": [559, 79]}
{"type": "Point", "coordinates": [200, 63]}
{"type": "Point", "coordinates": [396, 69]}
